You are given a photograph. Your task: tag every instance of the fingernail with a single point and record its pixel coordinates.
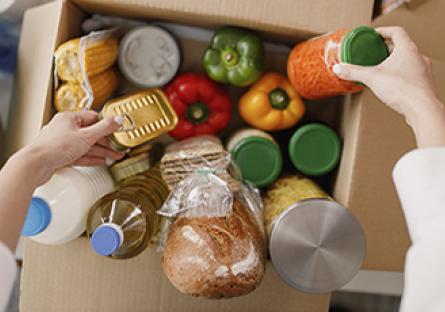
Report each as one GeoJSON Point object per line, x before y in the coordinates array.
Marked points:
{"type": "Point", "coordinates": [109, 161]}
{"type": "Point", "coordinates": [337, 69]}
{"type": "Point", "coordinates": [119, 119]}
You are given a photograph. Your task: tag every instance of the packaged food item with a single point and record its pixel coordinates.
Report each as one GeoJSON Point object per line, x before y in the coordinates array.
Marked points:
{"type": "Point", "coordinates": [310, 63]}
{"type": "Point", "coordinates": [315, 244]}
{"type": "Point", "coordinates": [214, 246]}
{"type": "Point", "coordinates": [88, 55]}
{"type": "Point", "coordinates": [202, 106]}
{"type": "Point", "coordinates": [81, 71]}
{"type": "Point", "coordinates": [271, 104]}
{"type": "Point", "coordinates": [122, 223]}
{"type": "Point", "coordinates": [183, 158]}
{"type": "Point", "coordinates": [235, 56]}
{"type": "Point", "coordinates": [149, 56]}
{"type": "Point", "coordinates": [148, 114]}
{"type": "Point", "coordinates": [315, 149]}
{"type": "Point", "coordinates": [136, 164]}
{"type": "Point", "coordinates": [257, 155]}
{"type": "Point", "coordinates": [58, 210]}
{"type": "Point", "coordinates": [71, 96]}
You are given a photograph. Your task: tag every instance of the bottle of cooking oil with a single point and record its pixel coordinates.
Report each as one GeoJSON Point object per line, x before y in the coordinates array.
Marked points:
{"type": "Point", "coordinates": [122, 223]}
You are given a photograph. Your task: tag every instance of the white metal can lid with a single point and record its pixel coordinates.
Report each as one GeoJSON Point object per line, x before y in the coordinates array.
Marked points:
{"type": "Point", "coordinates": [149, 56]}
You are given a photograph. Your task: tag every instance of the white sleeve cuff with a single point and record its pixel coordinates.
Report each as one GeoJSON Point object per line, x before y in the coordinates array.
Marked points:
{"type": "Point", "coordinates": [419, 177]}
{"type": "Point", "coordinates": [8, 270]}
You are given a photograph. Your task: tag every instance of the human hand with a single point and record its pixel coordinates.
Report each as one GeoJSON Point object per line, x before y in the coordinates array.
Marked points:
{"type": "Point", "coordinates": [74, 138]}
{"type": "Point", "coordinates": [404, 81]}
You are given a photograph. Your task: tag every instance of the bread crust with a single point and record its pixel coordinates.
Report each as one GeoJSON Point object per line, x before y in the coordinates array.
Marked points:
{"type": "Point", "coordinates": [216, 257]}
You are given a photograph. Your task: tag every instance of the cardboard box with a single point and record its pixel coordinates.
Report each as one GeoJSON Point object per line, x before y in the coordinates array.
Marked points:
{"type": "Point", "coordinates": [382, 137]}
{"type": "Point", "coordinates": [71, 277]}
{"type": "Point", "coordinates": [371, 195]}
{"type": "Point", "coordinates": [425, 23]}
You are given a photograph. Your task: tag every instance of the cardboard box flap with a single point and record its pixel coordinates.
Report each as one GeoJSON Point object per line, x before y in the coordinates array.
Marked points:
{"type": "Point", "coordinates": [425, 24]}
{"type": "Point", "coordinates": [284, 16]}
{"type": "Point", "coordinates": [76, 279]}
{"type": "Point", "coordinates": [382, 138]}
{"type": "Point", "coordinates": [40, 36]}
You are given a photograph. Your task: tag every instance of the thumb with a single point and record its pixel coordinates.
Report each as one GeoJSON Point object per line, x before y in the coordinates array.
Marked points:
{"type": "Point", "coordinates": [103, 128]}
{"type": "Point", "coordinates": [353, 72]}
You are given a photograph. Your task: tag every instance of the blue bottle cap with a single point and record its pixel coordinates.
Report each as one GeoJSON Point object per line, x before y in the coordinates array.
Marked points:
{"type": "Point", "coordinates": [106, 240]}
{"type": "Point", "coordinates": [38, 218]}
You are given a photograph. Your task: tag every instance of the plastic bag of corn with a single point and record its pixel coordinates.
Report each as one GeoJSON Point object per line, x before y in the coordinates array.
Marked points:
{"type": "Point", "coordinates": [83, 70]}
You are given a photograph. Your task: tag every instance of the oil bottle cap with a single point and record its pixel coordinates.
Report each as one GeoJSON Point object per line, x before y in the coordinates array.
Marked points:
{"type": "Point", "coordinates": [106, 239]}
{"type": "Point", "coordinates": [363, 46]}
{"type": "Point", "coordinates": [38, 217]}
{"type": "Point", "coordinates": [314, 149]}
{"type": "Point", "coordinates": [259, 160]}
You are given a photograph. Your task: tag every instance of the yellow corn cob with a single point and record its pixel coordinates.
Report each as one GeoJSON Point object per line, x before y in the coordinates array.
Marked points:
{"type": "Point", "coordinates": [71, 97]}
{"type": "Point", "coordinates": [98, 56]}
{"type": "Point", "coordinates": [104, 85]}
{"type": "Point", "coordinates": [68, 97]}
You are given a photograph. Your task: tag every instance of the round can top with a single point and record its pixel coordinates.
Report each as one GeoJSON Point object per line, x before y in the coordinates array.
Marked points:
{"type": "Point", "coordinates": [259, 160]}
{"type": "Point", "coordinates": [317, 246]}
{"type": "Point", "coordinates": [38, 217]}
{"type": "Point", "coordinates": [363, 46]}
{"type": "Point", "coordinates": [315, 149]}
{"type": "Point", "coordinates": [106, 239]}
{"type": "Point", "coordinates": [131, 166]}
{"type": "Point", "coordinates": [149, 56]}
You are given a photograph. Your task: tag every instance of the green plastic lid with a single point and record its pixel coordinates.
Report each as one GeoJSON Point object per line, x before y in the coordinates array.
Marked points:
{"type": "Point", "coordinates": [363, 46]}
{"type": "Point", "coordinates": [314, 149]}
{"type": "Point", "coordinates": [259, 160]}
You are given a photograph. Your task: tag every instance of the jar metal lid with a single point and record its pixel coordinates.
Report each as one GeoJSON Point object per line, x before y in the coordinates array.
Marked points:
{"type": "Point", "coordinates": [363, 46]}
{"type": "Point", "coordinates": [259, 160]}
{"type": "Point", "coordinates": [317, 246]}
{"type": "Point", "coordinates": [314, 149]}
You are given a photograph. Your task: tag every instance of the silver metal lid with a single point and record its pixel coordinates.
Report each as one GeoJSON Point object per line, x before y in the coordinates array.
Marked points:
{"type": "Point", "coordinates": [317, 246]}
{"type": "Point", "coordinates": [149, 56]}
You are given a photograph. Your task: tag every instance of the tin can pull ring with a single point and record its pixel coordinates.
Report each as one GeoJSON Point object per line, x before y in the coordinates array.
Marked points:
{"type": "Point", "coordinates": [130, 120]}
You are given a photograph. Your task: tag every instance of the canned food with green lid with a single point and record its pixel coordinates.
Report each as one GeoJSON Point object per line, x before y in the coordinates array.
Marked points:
{"type": "Point", "coordinates": [257, 155]}
{"type": "Point", "coordinates": [314, 149]}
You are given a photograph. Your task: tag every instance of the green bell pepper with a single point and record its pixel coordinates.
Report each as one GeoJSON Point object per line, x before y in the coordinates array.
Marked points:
{"type": "Point", "coordinates": [235, 56]}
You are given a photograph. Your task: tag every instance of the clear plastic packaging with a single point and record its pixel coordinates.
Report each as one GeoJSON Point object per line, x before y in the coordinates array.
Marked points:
{"type": "Point", "coordinates": [198, 154]}
{"type": "Point", "coordinates": [84, 77]}
{"type": "Point", "coordinates": [214, 245]}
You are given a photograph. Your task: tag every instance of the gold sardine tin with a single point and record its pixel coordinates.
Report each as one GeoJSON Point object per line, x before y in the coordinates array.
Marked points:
{"type": "Point", "coordinates": [147, 115]}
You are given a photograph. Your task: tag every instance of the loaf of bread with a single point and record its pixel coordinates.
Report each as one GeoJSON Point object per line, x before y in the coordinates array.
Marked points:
{"type": "Point", "coordinates": [216, 257]}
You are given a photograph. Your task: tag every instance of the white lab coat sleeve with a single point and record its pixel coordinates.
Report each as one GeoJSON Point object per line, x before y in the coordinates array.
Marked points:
{"type": "Point", "coordinates": [8, 270]}
{"type": "Point", "coordinates": [419, 177]}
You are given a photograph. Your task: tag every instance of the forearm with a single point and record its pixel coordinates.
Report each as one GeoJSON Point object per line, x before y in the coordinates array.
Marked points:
{"type": "Point", "coordinates": [18, 179]}
{"type": "Point", "coordinates": [428, 123]}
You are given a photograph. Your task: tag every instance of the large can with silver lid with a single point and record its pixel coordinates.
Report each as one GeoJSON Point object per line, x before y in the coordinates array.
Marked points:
{"type": "Point", "coordinates": [315, 244]}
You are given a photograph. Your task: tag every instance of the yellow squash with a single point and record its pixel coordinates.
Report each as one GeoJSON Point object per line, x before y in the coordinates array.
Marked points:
{"type": "Point", "coordinates": [271, 104]}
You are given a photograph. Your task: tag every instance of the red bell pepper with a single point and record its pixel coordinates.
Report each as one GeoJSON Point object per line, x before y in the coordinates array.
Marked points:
{"type": "Point", "coordinates": [201, 105]}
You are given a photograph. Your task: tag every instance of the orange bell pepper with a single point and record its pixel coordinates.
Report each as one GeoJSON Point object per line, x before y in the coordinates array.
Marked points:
{"type": "Point", "coordinates": [271, 104]}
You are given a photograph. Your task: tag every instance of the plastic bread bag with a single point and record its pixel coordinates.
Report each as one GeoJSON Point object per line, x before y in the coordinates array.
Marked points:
{"type": "Point", "coordinates": [84, 76]}
{"type": "Point", "coordinates": [185, 157]}
{"type": "Point", "coordinates": [214, 244]}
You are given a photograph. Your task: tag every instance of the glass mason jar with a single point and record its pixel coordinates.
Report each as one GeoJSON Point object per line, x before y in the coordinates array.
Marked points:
{"type": "Point", "coordinates": [310, 63]}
